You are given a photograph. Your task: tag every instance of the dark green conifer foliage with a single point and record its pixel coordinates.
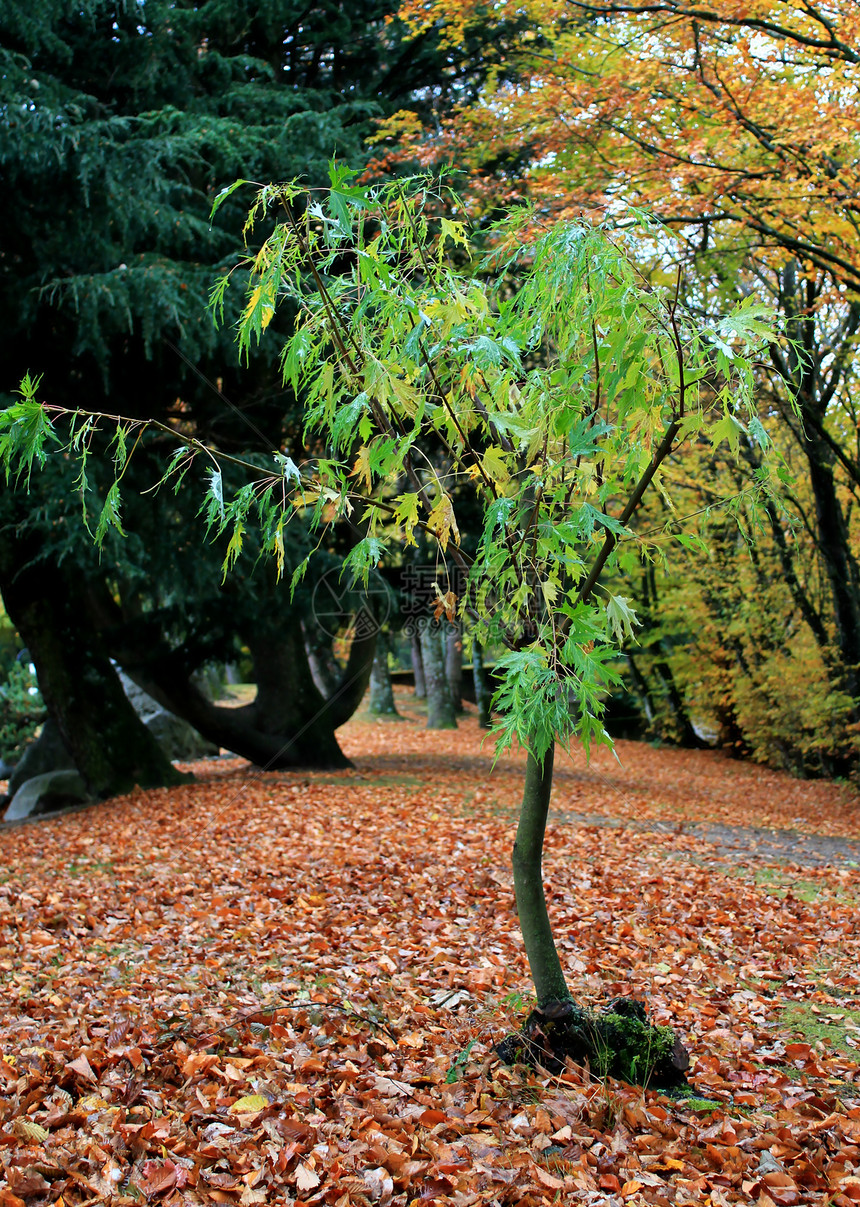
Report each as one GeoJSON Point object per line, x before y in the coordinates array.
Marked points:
{"type": "Point", "coordinates": [120, 121]}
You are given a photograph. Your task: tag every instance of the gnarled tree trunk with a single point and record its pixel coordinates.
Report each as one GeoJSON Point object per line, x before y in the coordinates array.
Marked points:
{"type": "Point", "coordinates": [290, 723]}
{"type": "Point", "coordinates": [112, 748]}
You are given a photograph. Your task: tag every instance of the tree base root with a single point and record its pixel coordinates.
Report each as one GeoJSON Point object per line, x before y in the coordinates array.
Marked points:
{"type": "Point", "coordinates": [616, 1042]}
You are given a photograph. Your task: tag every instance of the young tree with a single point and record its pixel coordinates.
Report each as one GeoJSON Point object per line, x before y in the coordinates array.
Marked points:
{"type": "Point", "coordinates": [557, 403]}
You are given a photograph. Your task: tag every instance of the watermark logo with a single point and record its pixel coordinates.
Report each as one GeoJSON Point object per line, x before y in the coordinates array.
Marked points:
{"type": "Point", "coordinates": [340, 608]}
{"type": "Point", "coordinates": [411, 596]}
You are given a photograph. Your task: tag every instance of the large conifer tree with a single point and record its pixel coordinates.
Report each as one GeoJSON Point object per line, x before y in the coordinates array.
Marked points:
{"type": "Point", "coordinates": [119, 123]}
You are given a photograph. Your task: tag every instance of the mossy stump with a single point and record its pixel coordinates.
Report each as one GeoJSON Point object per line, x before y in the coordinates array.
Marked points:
{"type": "Point", "coordinates": [616, 1042]}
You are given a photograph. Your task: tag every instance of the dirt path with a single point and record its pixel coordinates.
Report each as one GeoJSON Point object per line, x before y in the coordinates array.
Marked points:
{"type": "Point", "coordinates": [742, 811]}
{"type": "Point", "coordinates": [786, 847]}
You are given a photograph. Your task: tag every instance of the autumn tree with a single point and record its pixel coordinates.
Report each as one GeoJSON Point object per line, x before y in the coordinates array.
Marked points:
{"type": "Point", "coordinates": [736, 126]}
{"type": "Point", "coordinates": [717, 116]}
{"type": "Point", "coordinates": [558, 406]}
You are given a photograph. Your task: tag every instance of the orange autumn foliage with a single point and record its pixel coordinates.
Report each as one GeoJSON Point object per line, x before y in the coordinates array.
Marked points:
{"type": "Point", "coordinates": [726, 114]}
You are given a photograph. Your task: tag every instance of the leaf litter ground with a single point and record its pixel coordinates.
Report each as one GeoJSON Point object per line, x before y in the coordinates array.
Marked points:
{"type": "Point", "coordinates": [268, 987]}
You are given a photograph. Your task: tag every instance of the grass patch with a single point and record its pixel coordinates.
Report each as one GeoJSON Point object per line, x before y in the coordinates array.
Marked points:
{"type": "Point", "coordinates": [695, 1103]}
{"type": "Point", "coordinates": [779, 883]}
{"type": "Point", "coordinates": [91, 867]}
{"type": "Point", "coordinates": [487, 807]}
{"type": "Point", "coordinates": [687, 1097]}
{"type": "Point", "coordinates": [833, 1028]}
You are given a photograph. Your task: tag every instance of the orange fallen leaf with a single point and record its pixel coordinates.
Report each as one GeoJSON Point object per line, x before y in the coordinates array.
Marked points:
{"type": "Point", "coordinates": [547, 1179]}
{"type": "Point", "coordinates": [430, 1118]}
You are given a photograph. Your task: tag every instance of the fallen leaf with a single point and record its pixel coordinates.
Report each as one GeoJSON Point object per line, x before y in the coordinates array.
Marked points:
{"type": "Point", "coordinates": [306, 1178]}
{"type": "Point", "coordinates": [249, 1105]}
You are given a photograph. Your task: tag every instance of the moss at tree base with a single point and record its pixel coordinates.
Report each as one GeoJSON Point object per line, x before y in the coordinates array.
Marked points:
{"type": "Point", "coordinates": [616, 1042]}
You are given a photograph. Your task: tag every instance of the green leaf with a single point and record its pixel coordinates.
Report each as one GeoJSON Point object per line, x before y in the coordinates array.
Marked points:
{"type": "Point", "coordinates": [621, 618]}
{"type": "Point", "coordinates": [728, 428]}
{"type": "Point", "coordinates": [364, 557]}
{"type": "Point", "coordinates": [406, 514]}
{"type": "Point", "coordinates": [452, 232]}
{"type": "Point", "coordinates": [495, 465]}
{"type": "Point", "coordinates": [234, 548]}
{"type": "Point", "coordinates": [226, 192]}
{"type": "Point", "coordinates": [25, 433]}
{"type": "Point", "coordinates": [110, 515]}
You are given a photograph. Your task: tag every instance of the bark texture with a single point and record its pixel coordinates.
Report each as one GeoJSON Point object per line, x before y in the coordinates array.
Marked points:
{"type": "Point", "coordinates": [615, 1042]}
{"type": "Point", "coordinates": [111, 747]}
{"type": "Point", "coordinates": [454, 665]}
{"type": "Point", "coordinates": [544, 963]}
{"type": "Point", "coordinates": [482, 691]}
{"type": "Point", "coordinates": [417, 665]}
{"type": "Point", "coordinates": [381, 692]}
{"type": "Point", "coordinates": [290, 723]}
{"type": "Point", "coordinates": [814, 376]}
{"type": "Point", "coordinates": [440, 707]}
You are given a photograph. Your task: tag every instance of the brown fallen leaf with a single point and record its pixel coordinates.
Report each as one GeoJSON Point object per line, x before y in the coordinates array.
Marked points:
{"type": "Point", "coordinates": [83, 1068]}
{"type": "Point", "coordinates": [156, 1177]}
{"type": "Point", "coordinates": [389, 985]}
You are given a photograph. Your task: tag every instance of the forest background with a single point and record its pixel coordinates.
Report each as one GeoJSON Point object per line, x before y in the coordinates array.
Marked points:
{"type": "Point", "coordinates": [120, 127]}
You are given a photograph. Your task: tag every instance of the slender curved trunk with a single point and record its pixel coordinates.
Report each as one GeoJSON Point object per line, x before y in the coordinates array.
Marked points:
{"type": "Point", "coordinates": [643, 691]}
{"type": "Point", "coordinates": [834, 547]}
{"type": "Point", "coordinates": [798, 592]}
{"type": "Point", "coordinates": [617, 1041]}
{"type": "Point", "coordinates": [814, 376]}
{"type": "Point", "coordinates": [686, 734]}
{"type": "Point", "coordinates": [667, 698]}
{"type": "Point", "coordinates": [546, 970]}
